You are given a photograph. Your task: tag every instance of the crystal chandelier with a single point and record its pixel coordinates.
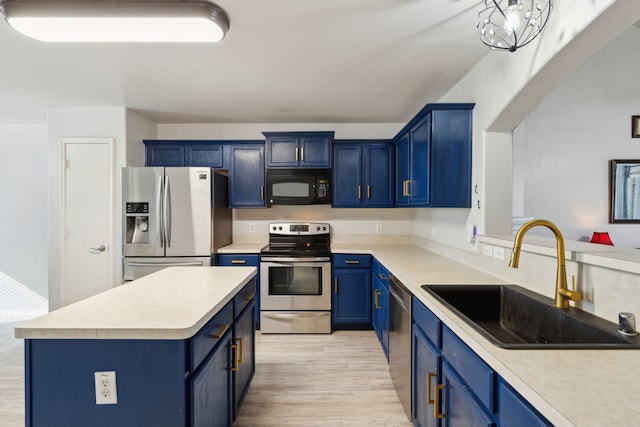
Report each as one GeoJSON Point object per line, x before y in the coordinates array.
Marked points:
{"type": "Point", "coordinates": [510, 24]}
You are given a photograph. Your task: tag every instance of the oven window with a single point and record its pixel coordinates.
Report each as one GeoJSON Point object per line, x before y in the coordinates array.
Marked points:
{"type": "Point", "coordinates": [295, 280]}
{"type": "Point", "coordinates": [290, 189]}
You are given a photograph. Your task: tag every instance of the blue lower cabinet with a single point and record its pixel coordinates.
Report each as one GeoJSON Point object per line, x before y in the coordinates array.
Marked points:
{"type": "Point", "coordinates": [211, 401]}
{"type": "Point", "coordinates": [244, 361]}
{"type": "Point", "coordinates": [380, 306]}
{"type": "Point", "coordinates": [426, 375]}
{"type": "Point", "coordinates": [454, 387]}
{"type": "Point", "coordinates": [457, 405]}
{"type": "Point", "coordinates": [514, 410]}
{"type": "Point", "coordinates": [245, 260]}
{"type": "Point", "coordinates": [351, 302]}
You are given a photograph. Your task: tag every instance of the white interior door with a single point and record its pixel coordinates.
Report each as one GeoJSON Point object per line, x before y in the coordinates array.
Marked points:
{"type": "Point", "coordinates": [87, 251]}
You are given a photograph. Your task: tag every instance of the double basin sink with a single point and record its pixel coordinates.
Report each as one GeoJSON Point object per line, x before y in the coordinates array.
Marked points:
{"type": "Point", "coordinates": [513, 317]}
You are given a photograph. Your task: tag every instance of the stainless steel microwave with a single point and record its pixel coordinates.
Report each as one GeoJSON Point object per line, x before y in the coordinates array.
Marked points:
{"type": "Point", "coordinates": [298, 186]}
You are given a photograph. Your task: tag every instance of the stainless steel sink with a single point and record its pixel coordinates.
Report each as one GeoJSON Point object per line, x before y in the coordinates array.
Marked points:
{"type": "Point", "coordinates": [513, 317]}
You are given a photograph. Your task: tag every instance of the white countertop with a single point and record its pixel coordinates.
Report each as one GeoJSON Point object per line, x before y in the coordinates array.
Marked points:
{"type": "Point", "coordinates": [570, 387]}
{"type": "Point", "coordinates": [173, 303]}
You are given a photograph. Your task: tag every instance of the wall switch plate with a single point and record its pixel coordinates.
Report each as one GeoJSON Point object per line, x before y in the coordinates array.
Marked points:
{"type": "Point", "coordinates": [378, 228]}
{"type": "Point", "coordinates": [487, 250]}
{"type": "Point", "coordinates": [498, 253]}
{"type": "Point", "coordinates": [106, 391]}
{"type": "Point", "coordinates": [252, 227]}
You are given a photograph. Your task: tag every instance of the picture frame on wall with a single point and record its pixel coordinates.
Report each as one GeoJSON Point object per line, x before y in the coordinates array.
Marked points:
{"type": "Point", "coordinates": [635, 126]}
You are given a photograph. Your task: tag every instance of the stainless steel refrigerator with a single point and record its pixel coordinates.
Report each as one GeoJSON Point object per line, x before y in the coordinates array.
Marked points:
{"type": "Point", "coordinates": [173, 216]}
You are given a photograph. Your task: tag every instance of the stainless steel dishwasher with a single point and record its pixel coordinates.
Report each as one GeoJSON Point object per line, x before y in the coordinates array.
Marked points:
{"type": "Point", "coordinates": [400, 342]}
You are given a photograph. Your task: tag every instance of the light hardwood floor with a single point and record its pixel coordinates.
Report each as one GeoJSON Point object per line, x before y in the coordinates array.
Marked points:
{"type": "Point", "coordinates": [341, 379]}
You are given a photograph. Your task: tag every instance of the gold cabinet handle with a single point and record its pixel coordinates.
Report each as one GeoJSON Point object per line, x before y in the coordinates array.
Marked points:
{"type": "Point", "coordinates": [368, 191]}
{"type": "Point", "coordinates": [238, 261]}
{"type": "Point", "coordinates": [240, 351]}
{"type": "Point", "coordinates": [234, 348]}
{"type": "Point", "coordinates": [302, 154]}
{"type": "Point", "coordinates": [405, 190]}
{"type": "Point", "coordinates": [336, 285]}
{"type": "Point", "coordinates": [249, 296]}
{"type": "Point", "coordinates": [376, 299]}
{"type": "Point", "coordinates": [223, 329]}
{"type": "Point", "coordinates": [436, 403]}
{"type": "Point", "coordinates": [382, 276]}
{"type": "Point", "coordinates": [430, 376]}
{"type": "Point", "coordinates": [296, 154]}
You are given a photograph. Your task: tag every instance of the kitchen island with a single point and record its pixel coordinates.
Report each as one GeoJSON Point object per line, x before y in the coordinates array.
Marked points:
{"type": "Point", "coordinates": [165, 339]}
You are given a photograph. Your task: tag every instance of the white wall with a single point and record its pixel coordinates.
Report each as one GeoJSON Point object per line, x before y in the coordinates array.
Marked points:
{"type": "Point", "coordinates": [138, 129]}
{"type": "Point", "coordinates": [565, 144]}
{"type": "Point", "coordinates": [23, 209]}
{"type": "Point", "coordinates": [80, 122]}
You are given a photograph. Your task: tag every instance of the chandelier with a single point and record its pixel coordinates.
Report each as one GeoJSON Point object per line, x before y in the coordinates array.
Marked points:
{"type": "Point", "coordinates": [510, 24]}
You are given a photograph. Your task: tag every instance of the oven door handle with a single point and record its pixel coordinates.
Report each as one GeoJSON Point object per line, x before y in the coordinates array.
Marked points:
{"type": "Point", "coordinates": [293, 261]}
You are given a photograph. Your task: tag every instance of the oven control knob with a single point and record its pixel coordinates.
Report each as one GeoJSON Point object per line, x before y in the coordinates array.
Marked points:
{"type": "Point", "coordinates": [280, 228]}
{"type": "Point", "coordinates": [274, 228]}
{"type": "Point", "coordinates": [318, 228]}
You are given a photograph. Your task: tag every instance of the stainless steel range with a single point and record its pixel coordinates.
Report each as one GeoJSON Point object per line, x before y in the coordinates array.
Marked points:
{"type": "Point", "coordinates": [295, 279]}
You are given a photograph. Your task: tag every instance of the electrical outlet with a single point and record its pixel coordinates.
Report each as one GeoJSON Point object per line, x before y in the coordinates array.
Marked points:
{"type": "Point", "coordinates": [106, 391]}
{"type": "Point", "coordinates": [487, 250]}
{"type": "Point", "coordinates": [379, 228]}
{"type": "Point", "coordinates": [498, 253]}
{"type": "Point", "coordinates": [252, 227]}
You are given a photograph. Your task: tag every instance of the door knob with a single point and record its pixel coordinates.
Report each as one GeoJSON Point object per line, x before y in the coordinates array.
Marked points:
{"type": "Point", "coordinates": [100, 248]}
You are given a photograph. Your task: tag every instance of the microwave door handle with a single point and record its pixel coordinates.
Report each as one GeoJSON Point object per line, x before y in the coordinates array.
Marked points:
{"type": "Point", "coordinates": [160, 208]}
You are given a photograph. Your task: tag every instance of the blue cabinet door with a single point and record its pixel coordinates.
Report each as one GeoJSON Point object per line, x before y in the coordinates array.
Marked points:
{"type": "Point", "coordinates": [402, 170]}
{"type": "Point", "coordinates": [419, 174]}
{"type": "Point", "coordinates": [315, 152]}
{"type": "Point", "coordinates": [162, 154]}
{"type": "Point", "coordinates": [209, 155]}
{"type": "Point", "coordinates": [298, 149]}
{"type": "Point", "coordinates": [347, 176]}
{"type": "Point", "coordinates": [282, 151]}
{"type": "Point", "coordinates": [451, 158]}
{"type": "Point", "coordinates": [352, 298]}
{"type": "Point", "coordinates": [426, 368]}
{"type": "Point", "coordinates": [211, 389]}
{"type": "Point", "coordinates": [245, 363]}
{"type": "Point", "coordinates": [378, 175]}
{"type": "Point", "coordinates": [458, 405]}
{"type": "Point", "coordinates": [246, 180]}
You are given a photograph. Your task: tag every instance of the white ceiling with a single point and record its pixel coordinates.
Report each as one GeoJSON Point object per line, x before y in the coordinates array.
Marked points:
{"type": "Point", "coordinates": [283, 61]}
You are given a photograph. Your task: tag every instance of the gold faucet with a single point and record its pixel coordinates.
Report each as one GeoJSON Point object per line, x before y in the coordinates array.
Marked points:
{"type": "Point", "coordinates": [563, 294]}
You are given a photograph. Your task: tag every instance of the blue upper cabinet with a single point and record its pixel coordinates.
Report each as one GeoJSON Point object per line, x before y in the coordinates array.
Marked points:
{"type": "Point", "coordinates": [433, 158]}
{"type": "Point", "coordinates": [246, 176]}
{"type": "Point", "coordinates": [210, 155]}
{"type": "Point", "coordinates": [298, 149]}
{"type": "Point", "coordinates": [186, 153]}
{"type": "Point", "coordinates": [363, 174]}
{"type": "Point", "coordinates": [164, 153]}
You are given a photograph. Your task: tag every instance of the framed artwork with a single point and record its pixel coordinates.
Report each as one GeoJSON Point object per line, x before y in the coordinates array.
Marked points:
{"type": "Point", "coordinates": [624, 191]}
{"type": "Point", "coordinates": [635, 126]}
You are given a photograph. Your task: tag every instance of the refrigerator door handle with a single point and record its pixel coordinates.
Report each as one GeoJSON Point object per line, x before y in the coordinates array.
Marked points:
{"type": "Point", "coordinates": [167, 211]}
{"type": "Point", "coordinates": [167, 264]}
{"type": "Point", "coordinates": [159, 209]}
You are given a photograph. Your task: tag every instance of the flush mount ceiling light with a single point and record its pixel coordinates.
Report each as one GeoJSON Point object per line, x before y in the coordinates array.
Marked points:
{"type": "Point", "coordinates": [117, 21]}
{"type": "Point", "coordinates": [511, 24]}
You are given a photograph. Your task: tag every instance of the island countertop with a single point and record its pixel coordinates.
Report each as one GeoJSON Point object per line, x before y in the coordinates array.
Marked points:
{"type": "Point", "coordinates": [173, 303]}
